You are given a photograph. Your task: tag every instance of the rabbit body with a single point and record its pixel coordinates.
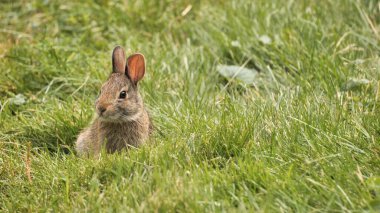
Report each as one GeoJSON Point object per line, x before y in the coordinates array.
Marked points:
{"type": "Point", "coordinates": [114, 136]}
{"type": "Point", "coordinates": [122, 119]}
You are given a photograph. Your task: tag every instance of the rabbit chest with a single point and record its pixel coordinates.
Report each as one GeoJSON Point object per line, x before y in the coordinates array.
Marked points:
{"type": "Point", "coordinates": [116, 136]}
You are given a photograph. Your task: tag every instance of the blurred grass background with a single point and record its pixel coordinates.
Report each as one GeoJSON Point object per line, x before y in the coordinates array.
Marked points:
{"type": "Point", "coordinates": [305, 138]}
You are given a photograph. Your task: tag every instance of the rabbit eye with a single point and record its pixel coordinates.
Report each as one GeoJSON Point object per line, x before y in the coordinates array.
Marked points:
{"type": "Point", "coordinates": [123, 94]}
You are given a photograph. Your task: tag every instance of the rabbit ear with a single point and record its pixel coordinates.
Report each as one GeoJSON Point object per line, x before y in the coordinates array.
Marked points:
{"type": "Point", "coordinates": [118, 60]}
{"type": "Point", "coordinates": [135, 68]}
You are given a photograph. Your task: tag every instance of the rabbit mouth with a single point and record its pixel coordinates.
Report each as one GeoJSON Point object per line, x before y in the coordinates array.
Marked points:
{"type": "Point", "coordinates": [120, 117]}
{"type": "Point", "coordinates": [109, 118]}
{"type": "Point", "coordinates": [131, 116]}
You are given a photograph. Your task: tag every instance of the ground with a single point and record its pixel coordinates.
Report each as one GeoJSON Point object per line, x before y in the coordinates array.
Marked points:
{"type": "Point", "coordinates": [302, 137]}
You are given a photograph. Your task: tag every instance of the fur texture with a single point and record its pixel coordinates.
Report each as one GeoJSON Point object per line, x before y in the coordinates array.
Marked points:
{"type": "Point", "coordinates": [122, 119]}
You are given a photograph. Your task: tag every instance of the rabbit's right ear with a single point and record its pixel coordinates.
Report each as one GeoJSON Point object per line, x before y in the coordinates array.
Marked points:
{"type": "Point", "coordinates": [135, 68]}
{"type": "Point", "coordinates": [118, 60]}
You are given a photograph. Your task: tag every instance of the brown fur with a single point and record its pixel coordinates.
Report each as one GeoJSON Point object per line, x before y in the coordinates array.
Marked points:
{"type": "Point", "coordinates": [120, 123]}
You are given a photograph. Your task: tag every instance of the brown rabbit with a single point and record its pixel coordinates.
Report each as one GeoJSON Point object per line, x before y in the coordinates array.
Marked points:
{"type": "Point", "coordinates": [121, 120]}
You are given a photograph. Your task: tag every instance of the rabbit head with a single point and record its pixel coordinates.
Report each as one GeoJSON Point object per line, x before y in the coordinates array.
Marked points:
{"type": "Point", "coordinates": [119, 99]}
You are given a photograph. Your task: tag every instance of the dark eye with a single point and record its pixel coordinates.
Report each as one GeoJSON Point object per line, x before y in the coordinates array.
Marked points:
{"type": "Point", "coordinates": [123, 94]}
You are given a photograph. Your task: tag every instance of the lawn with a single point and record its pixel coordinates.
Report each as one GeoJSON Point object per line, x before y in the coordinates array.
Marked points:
{"type": "Point", "coordinates": [303, 136]}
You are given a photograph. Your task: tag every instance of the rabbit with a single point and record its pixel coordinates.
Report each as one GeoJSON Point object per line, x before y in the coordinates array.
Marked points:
{"type": "Point", "coordinates": [121, 118]}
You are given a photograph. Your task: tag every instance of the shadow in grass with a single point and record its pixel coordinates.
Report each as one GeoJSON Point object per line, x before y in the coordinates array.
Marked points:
{"type": "Point", "coordinates": [53, 127]}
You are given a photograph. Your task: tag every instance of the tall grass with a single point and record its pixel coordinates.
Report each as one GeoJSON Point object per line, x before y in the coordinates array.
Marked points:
{"type": "Point", "coordinates": [305, 138]}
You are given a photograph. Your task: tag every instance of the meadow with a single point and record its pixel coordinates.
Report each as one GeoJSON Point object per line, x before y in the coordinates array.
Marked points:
{"type": "Point", "coordinates": [302, 136]}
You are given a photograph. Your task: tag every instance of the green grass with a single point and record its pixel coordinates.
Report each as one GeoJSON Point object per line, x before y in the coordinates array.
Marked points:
{"type": "Point", "coordinates": [302, 140]}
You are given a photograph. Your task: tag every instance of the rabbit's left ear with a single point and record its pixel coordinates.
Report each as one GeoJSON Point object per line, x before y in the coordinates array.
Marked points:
{"type": "Point", "coordinates": [118, 60]}
{"type": "Point", "coordinates": [135, 68]}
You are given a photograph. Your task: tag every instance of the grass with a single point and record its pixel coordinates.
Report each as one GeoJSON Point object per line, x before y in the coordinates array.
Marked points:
{"type": "Point", "coordinates": [304, 139]}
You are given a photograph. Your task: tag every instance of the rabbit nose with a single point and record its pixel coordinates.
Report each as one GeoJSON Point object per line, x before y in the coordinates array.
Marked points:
{"type": "Point", "coordinates": [102, 109]}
